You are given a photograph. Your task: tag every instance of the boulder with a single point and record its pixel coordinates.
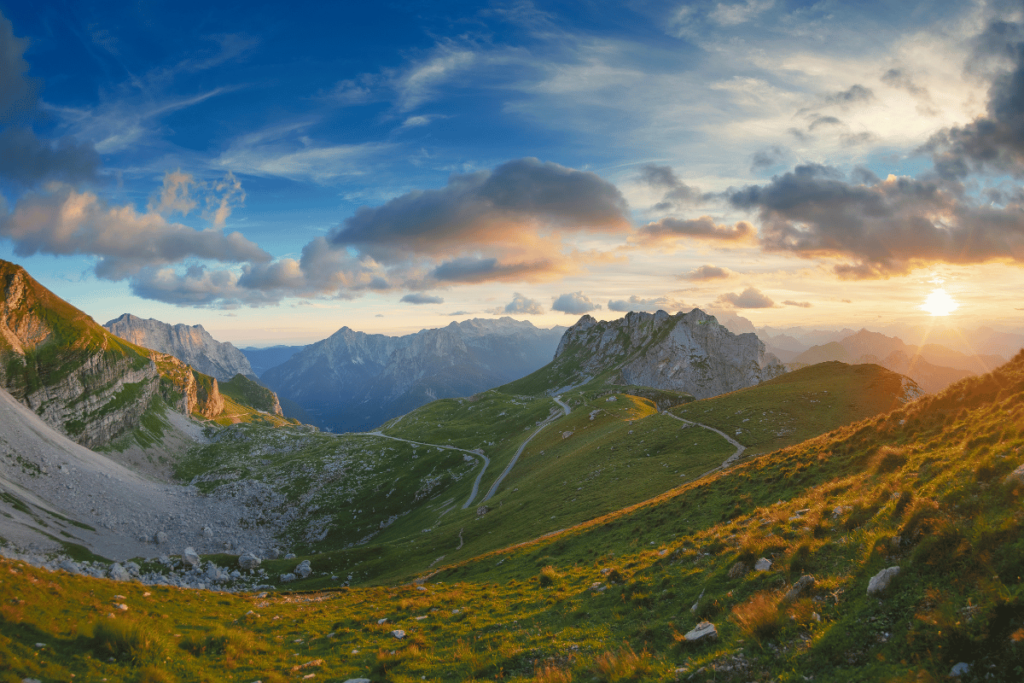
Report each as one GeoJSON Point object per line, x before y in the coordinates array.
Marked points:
{"type": "Point", "coordinates": [190, 557]}
{"type": "Point", "coordinates": [703, 631]}
{"type": "Point", "coordinates": [286, 578]}
{"type": "Point", "coordinates": [398, 634]}
{"type": "Point", "coordinates": [738, 570]}
{"type": "Point", "coordinates": [161, 537]}
{"type": "Point", "coordinates": [763, 565]}
{"type": "Point", "coordinates": [802, 584]}
{"type": "Point", "coordinates": [248, 562]}
{"type": "Point", "coordinates": [1016, 477]}
{"type": "Point", "coordinates": [119, 573]}
{"type": "Point", "coordinates": [880, 581]}
{"type": "Point", "coordinates": [303, 570]}
{"type": "Point", "coordinates": [273, 554]}
{"type": "Point", "coordinates": [207, 533]}
{"type": "Point", "coordinates": [960, 669]}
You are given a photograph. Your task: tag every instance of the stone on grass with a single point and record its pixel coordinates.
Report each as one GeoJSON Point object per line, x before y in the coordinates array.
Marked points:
{"type": "Point", "coordinates": [960, 669]}
{"type": "Point", "coordinates": [303, 570]}
{"type": "Point", "coordinates": [190, 556]}
{"type": "Point", "coordinates": [286, 578]}
{"type": "Point", "coordinates": [763, 565]}
{"type": "Point", "coordinates": [398, 633]}
{"type": "Point", "coordinates": [118, 573]}
{"type": "Point", "coordinates": [248, 561]}
{"type": "Point", "coordinates": [1016, 477]}
{"type": "Point", "coordinates": [802, 584]}
{"type": "Point", "coordinates": [880, 581]}
{"type": "Point", "coordinates": [705, 630]}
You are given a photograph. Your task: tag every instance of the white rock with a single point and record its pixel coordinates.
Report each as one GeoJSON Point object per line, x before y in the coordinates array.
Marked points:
{"type": "Point", "coordinates": [248, 561]}
{"type": "Point", "coordinates": [398, 633]}
{"type": "Point", "coordinates": [303, 570]}
{"type": "Point", "coordinates": [705, 630]}
{"type": "Point", "coordinates": [960, 669]}
{"type": "Point", "coordinates": [118, 573]}
{"type": "Point", "coordinates": [286, 578]}
{"type": "Point", "coordinates": [763, 565]}
{"type": "Point", "coordinates": [190, 556]}
{"type": "Point", "coordinates": [161, 537]}
{"type": "Point", "coordinates": [880, 581]}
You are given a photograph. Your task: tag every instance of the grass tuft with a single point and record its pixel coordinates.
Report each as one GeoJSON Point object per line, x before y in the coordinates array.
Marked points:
{"type": "Point", "coordinates": [759, 617]}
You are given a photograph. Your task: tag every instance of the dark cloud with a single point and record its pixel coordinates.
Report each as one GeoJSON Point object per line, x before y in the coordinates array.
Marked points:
{"type": "Point", "coordinates": [885, 227]}
{"type": "Point", "coordinates": [854, 95]}
{"type": "Point", "coordinates": [703, 228]}
{"type": "Point", "coordinates": [518, 198]}
{"type": "Point", "coordinates": [898, 78]}
{"type": "Point", "coordinates": [523, 305]}
{"type": "Point", "coordinates": [767, 158]}
{"type": "Point", "coordinates": [706, 272]}
{"type": "Point", "coordinates": [749, 298]}
{"type": "Point", "coordinates": [824, 121]}
{"type": "Point", "coordinates": [801, 304]}
{"type": "Point", "coordinates": [421, 298]}
{"type": "Point", "coordinates": [575, 303]}
{"type": "Point", "coordinates": [994, 142]}
{"type": "Point", "coordinates": [677, 193]}
{"type": "Point", "coordinates": [489, 269]}
{"type": "Point", "coordinates": [635, 303]}
{"type": "Point", "coordinates": [25, 159]}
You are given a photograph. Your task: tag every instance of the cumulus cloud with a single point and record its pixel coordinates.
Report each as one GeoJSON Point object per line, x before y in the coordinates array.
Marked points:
{"type": "Point", "coordinates": [885, 227]}
{"type": "Point", "coordinates": [182, 193]}
{"type": "Point", "coordinates": [635, 303]}
{"type": "Point", "coordinates": [510, 204]}
{"type": "Point", "coordinates": [677, 193]}
{"type": "Point", "coordinates": [703, 228]}
{"type": "Point", "coordinates": [421, 298]}
{"type": "Point", "coordinates": [749, 298]}
{"type": "Point", "coordinates": [25, 159]}
{"type": "Point", "coordinates": [198, 286]}
{"type": "Point", "coordinates": [575, 303]}
{"type": "Point", "coordinates": [855, 94]}
{"type": "Point", "coordinates": [66, 221]}
{"type": "Point", "coordinates": [995, 141]}
{"type": "Point", "coordinates": [706, 272]}
{"type": "Point", "coordinates": [801, 304]}
{"type": "Point", "coordinates": [523, 305]}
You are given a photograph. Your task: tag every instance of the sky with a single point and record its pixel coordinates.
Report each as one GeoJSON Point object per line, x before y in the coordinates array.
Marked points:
{"type": "Point", "coordinates": [275, 171]}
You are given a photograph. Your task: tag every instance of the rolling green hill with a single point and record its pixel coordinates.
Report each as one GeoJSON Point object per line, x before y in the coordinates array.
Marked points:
{"type": "Point", "coordinates": [930, 487]}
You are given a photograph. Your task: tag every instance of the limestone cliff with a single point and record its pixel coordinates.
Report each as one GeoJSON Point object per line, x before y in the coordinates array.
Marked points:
{"type": "Point", "coordinates": [190, 344]}
{"type": "Point", "coordinates": [688, 352]}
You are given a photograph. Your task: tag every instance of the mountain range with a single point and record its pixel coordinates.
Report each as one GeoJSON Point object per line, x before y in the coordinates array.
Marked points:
{"type": "Point", "coordinates": [354, 381]}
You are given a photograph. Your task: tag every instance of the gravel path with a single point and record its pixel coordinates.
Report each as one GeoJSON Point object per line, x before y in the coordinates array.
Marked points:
{"type": "Point", "coordinates": [511, 464]}
{"type": "Point", "coordinates": [739, 447]}
{"type": "Point", "coordinates": [476, 484]}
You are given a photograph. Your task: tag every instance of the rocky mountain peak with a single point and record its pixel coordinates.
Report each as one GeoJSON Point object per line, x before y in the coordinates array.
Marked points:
{"type": "Point", "coordinates": [191, 344]}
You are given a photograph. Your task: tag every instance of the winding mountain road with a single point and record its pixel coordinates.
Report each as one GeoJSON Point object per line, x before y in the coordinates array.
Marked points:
{"type": "Point", "coordinates": [501, 477]}
{"type": "Point", "coordinates": [476, 484]}
{"type": "Point", "coordinates": [739, 447]}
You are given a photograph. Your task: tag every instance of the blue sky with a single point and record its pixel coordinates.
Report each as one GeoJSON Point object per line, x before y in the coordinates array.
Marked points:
{"type": "Point", "coordinates": [275, 171]}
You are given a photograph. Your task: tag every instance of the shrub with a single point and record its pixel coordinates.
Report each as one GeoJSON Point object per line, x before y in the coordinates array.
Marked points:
{"type": "Point", "coordinates": [126, 641]}
{"type": "Point", "coordinates": [626, 665]}
{"type": "Point", "coordinates": [548, 576]}
{"type": "Point", "coordinates": [549, 672]}
{"type": "Point", "coordinates": [759, 617]}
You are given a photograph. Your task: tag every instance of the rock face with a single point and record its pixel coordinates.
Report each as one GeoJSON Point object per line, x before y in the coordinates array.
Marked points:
{"type": "Point", "coordinates": [356, 381]}
{"type": "Point", "coordinates": [191, 344]}
{"type": "Point", "coordinates": [688, 352]}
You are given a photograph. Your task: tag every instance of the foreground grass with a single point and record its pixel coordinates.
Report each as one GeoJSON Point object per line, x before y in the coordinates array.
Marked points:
{"type": "Point", "coordinates": [925, 488]}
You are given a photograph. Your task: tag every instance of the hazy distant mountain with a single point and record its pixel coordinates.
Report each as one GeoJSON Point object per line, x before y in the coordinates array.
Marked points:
{"type": "Point", "coordinates": [691, 353]}
{"type": "Point", "coordinates": [932, 366]}
{"type": "Point", "coordinates": [190, 344]}
{"type": "Point", "coordinates": [355, 381]}
{"type": "Point", "coordinates": [262, 360]}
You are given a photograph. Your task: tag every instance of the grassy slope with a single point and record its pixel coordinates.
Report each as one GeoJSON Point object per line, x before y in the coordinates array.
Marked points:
{"type": "Point", "coordinates": [798, 405]}
{"type": "Point", "coordinates": [247, 392]}
{"type": "Point", "coordinates": [922, 488]}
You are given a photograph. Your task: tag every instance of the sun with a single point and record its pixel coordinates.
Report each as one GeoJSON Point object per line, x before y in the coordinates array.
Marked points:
{"type": "Point", "coordinates": [939, 303]}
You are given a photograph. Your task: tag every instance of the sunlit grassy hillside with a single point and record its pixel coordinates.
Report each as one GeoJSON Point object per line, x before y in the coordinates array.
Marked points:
{"type": "Point", "coordinates": [927, 488]}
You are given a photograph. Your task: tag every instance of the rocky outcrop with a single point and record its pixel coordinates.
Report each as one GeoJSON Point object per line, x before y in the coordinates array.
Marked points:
{"type": "Point", "coordinates": [688, 352]}
{"type": "Point", "coordinates": [190, 344]}
{"type": "Point", "coordinates": [209, 402]}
